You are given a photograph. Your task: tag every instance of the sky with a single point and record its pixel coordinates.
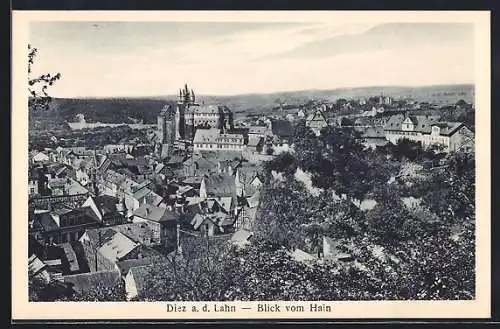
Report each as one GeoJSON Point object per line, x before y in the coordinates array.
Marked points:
{"type": "Point", "coordinates": [134, 59]}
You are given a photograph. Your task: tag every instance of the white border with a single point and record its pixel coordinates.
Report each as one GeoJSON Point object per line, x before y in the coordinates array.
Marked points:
{"type": "Point", "coordinates": [478, 308]}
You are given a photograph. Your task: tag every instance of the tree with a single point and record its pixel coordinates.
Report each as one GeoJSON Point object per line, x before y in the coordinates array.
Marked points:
{"type": "Point", "coordinates": [37, 86]}
{"type": "Point", "coordinates": [451, 192]}
{"type": "Point", "coordinates": [386, 221]}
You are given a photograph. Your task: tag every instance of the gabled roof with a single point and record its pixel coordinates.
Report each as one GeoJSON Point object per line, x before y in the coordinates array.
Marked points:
{"type": "Point", "coordinates": [47, 222]}
{"type": "Point", "coordinates": [137, 232]}
{"type": "Point", "coordinates": [422, 123]}
{"type": "Point", "coordinates": [155, 214]}
{"type": "Point", "coordinates": [126, 265]}
{"type": "Point", "coordinates": [253, 201]}
{"type": "Point", "coordinates": [225, 203]}
{"type": "Point", "coordinates": [316, 116]}
{"type": "Point", "coordinates": [247, 174]}
{"type": "Point", "coordinates": [35, 265]}
{"type": "Point", "coordinates": [105, 235]}
{"type": "Point", "coordinates": [117, 247]}
{"type": "Point", "coordinates": [76, 188]}
{"type": "Point", "coordinates": [448, 128]}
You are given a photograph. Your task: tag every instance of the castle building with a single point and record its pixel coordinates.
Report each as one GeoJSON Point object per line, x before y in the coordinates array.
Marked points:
{"type": "Point", "coordinates": [181, 124]}
{"type": "Point", "coordinates": [166, 130]}
{"type": "Point", "coordinates": [190, 115]}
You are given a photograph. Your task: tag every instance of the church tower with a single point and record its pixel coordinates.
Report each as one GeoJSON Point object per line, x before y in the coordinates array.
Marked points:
{"type": "Point", "coordinates": [166, 130]}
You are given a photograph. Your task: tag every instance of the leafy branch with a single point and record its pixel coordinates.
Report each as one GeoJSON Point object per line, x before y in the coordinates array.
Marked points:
{"type": "Point", "coordinates": [39, 99]}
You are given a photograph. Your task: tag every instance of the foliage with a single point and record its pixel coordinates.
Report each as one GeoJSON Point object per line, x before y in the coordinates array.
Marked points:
{"type": "Point", "coordinates": [386, 220]}
{"type": "Point", "coordinates": [37, 86]}
{"type": "Point", "coordinates": [290, 216]}
{"type": "Point", "coordinates": [451, 191]}
{"type": "Point", "coordinates": [336, 160]}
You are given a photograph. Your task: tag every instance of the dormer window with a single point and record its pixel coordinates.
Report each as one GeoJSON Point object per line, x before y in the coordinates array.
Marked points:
{"type": "Point", "coordinates": [435, 130]}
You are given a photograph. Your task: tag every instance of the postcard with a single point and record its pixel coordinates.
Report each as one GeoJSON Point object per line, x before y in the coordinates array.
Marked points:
{"type": "Point", "coordinates": [250, 165]}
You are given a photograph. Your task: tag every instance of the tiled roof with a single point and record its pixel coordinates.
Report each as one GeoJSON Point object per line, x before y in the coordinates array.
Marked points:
{"type": "Point", "coordinates": [35, 265]}
{"type": "Point", "coordinates": [128, 264]}
{"type": "Point", "coordinates": [117, 247]}
{"type": "Point", "coordinates": [76, 188]}
{"type": "Point", "coordinates": [105, 235]}
{"type": "Point", "coordinates": [155, 214]}
{"type": "Point", "coordinates": [212, 109]}
{"type": "Point", "coordinates": [71, 257]}
{"type": "Point", "coordinates": [47, 222]}
{"type": "Point", "coordinates": [422, 123]}
{"type": "Point", "coordinates": [137, 232]}
{"type": "Point", "coordinates": [206, 135]}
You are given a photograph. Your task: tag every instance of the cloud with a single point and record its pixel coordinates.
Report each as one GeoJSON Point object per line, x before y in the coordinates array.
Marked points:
{"type": "Point", "coordinates": [228, 63]}
{"type": "Point", "coordinates": [380, 37]}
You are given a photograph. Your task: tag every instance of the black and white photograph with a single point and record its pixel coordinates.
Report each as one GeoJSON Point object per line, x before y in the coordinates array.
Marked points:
{"type": "Point", "coordinates": [239, 163]}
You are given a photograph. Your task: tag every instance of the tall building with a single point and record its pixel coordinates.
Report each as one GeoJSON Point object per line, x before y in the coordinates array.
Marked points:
{"type": "Point", "coordinates": [166, 130]}
{"type": "Point", "coordinates": [190, 116]}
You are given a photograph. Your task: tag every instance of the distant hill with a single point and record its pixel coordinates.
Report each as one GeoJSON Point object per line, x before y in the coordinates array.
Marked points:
{"type": "Point", "coordinates": [145, 109]}
{"type": "Point", "coordinates": [105, 110]}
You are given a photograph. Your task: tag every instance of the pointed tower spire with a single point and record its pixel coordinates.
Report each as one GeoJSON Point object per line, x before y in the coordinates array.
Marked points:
{"type": "Point", "coordinates": [192, 96]}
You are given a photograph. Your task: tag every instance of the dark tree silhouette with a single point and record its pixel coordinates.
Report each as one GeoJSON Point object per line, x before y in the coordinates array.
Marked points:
{"type": "Point", "coordinates": [37, 86]}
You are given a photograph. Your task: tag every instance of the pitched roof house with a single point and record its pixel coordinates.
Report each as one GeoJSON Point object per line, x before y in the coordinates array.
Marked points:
{"type": "Point", "coordinates": [106, 209]}
{"type": "Point", "coordinates": [428, 130]}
